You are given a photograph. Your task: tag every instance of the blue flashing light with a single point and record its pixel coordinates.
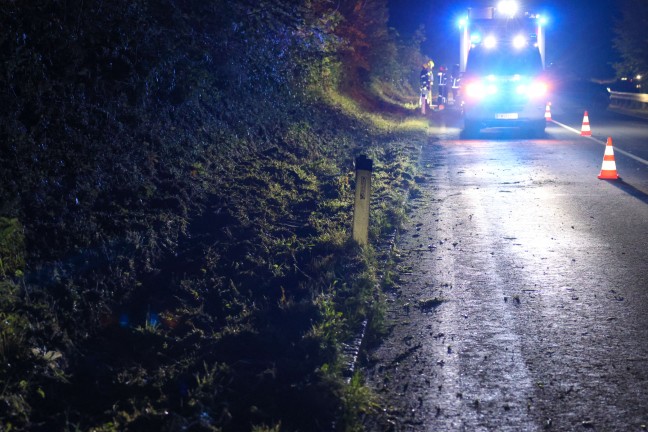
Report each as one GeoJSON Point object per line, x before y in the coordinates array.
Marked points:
{"type": "Point", "coordinates": [475, 38]}
{"type": "Point", "coordinates": [463, 22]}
{"type": "Point", "coordinates": [152, 320]}
{"type": "Point", "coordinates": [123, 320]}
{"type": "Point", "coordinates": [508, 8]}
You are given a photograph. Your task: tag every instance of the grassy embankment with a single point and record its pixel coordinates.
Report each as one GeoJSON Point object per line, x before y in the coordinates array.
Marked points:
{"type": "Point", "coordinates": [244, 323]}
{"type": "Point", "coordinates": [175, 248]}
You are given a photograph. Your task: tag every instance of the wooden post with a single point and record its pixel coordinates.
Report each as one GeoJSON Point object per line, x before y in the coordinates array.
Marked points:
{"type": "Point", "coordinates": [363, 168]}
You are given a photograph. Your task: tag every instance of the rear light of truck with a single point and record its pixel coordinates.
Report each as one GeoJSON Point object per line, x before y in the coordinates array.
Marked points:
{"type": "Point", "coordinates": [479, 89]}
{"type": "Point", "coordinates": [535, 89]}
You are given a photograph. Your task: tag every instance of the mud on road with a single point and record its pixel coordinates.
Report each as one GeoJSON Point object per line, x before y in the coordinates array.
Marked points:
{"type": "Point", "coordinates": [510, 312]}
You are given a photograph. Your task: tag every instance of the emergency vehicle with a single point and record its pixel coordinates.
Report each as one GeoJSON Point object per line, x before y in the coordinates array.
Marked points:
{"type": "Point", "coordinates": [502, 57]}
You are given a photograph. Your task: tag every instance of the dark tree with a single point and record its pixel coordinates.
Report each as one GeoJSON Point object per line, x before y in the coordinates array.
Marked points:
{"type": "Point", "coordinates": [631, 39]}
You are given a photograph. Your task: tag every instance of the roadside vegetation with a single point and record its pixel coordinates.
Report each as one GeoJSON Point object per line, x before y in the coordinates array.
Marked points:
{"type": "Point", "coordinates": [629, 40]}
{"type": "Point", "coordinates": [175, 209]}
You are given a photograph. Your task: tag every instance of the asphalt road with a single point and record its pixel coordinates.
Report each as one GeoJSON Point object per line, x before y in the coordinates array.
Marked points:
{"type": "Point", "coordinates": [522, 294]}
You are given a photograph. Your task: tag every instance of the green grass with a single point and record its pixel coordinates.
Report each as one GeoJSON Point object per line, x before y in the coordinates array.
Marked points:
{"type": "Point", "coordinates": [12, 245]}
{"type": "Point", "coordinates": [202, 273]}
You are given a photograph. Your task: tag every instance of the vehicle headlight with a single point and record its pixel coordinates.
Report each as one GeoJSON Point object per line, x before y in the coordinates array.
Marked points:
{"type": "Point", "coordinates": [490, 41]}
{"type": "Point", "coordinates": [519, 41]}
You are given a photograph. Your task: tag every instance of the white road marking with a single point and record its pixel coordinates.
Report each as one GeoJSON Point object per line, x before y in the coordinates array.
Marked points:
{"type": "Point", "coordinates": [616, 149]}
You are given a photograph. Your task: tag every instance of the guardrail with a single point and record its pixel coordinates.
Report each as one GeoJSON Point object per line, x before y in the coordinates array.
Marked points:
{"type": "Point", "coordinates": [629, 100]}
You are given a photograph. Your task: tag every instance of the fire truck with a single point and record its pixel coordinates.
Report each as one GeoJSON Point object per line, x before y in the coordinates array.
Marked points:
{"type": "Point", "coordinates": [502, 63]}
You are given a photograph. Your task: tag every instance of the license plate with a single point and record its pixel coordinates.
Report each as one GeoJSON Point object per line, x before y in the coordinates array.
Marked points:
{"type": "Point", "coordinates": [506, 116]}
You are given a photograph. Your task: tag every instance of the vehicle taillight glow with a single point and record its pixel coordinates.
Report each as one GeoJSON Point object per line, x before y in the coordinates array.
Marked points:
{"type": "Point", "coordinates": [478, 90]}
{"type": "Point", "coordinates": [534, 90]}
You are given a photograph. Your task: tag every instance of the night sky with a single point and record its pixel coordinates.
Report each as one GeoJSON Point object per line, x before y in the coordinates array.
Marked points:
{"type": "Point", "coordinates": [579, 32]}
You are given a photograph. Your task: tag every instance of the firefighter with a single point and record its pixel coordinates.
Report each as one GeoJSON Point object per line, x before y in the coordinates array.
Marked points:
{"type": "Point", "coordinates": [442, 82]}
{"type": "Point", "coordinates": [455, 77]}
{"type": "Point", "coordinates": [426, 81]}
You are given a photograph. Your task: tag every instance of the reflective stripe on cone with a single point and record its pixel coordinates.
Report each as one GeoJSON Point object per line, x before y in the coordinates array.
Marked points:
{"type": "Point", "coordinates": [585, 129]}
{"type": "Point", "coordinates": [608, 168]}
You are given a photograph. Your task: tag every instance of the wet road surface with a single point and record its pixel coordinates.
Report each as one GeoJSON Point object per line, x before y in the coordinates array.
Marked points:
{"type": "Point", "coordinates": [522, 297]}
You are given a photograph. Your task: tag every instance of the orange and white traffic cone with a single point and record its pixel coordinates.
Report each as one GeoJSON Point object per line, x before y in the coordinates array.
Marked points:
{"type": "Point", "coordinates": [585, 129]}
{"type": "Point", "coordinates": [548, 111]}
{"type": "Point", "coordinates": [608, 169]}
